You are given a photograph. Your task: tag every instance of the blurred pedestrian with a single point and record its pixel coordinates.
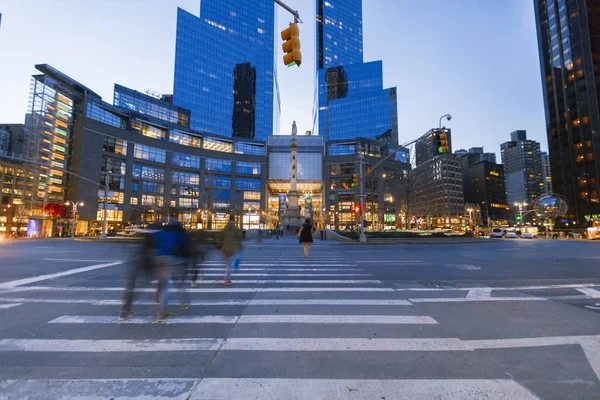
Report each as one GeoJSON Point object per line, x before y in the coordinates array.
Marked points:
{"type": "Point", "coordinates": [305, 235]}
{"type": "Point", "coordinates": [172, 250]}
{"type": "Point", "coordinates": [230, 245]}
{"type": "Point", "coordinates": [142, 262]}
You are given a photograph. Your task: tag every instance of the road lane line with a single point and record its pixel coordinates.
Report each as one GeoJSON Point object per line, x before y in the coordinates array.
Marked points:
{"type": "Point", "coordinates": [199, 290]}
{"type": "Point", "coordinates": [288, 281]}
{"type": "Point", "coordinates": [243, 264]}
{"type": "Point", "coordinates": [593, 293]}
{"type": "Point", "coordinates": [474, 299]}
{"type": "Point", "coordinates": [235, 274]}
{"type": "Point", "coordinates": [101, 346]}
{"type": "Point", "coordinates": [242, 302]}
{"type": "Point", "coordinates": [6, 306]}
{"type": "Point", "coordinates": [259, 388]}
{"type": "Point", "coordinates": [26, 281]}
{"type": "Point", "coordinates": [78, 259]}
{"type": "Point", "coordinates": [252, 319]}
{"type": "Point", "coordinates": [242, 269]}
{"type": "Point", "coordinates": [479, 293]}
{"type": "Point", "coordinates": [337, 389]}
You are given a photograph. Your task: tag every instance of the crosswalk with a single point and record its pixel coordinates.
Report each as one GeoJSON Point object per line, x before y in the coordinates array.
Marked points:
{"type": "Point", "coordinates": [337, 333]}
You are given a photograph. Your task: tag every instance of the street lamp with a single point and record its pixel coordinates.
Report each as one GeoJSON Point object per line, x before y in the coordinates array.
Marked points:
{"type": "Point", "coordinates": [75, 205]}
{"type": "Point", "coordinates": [447, 116]}
{"type": "Point", "coordinates": [521, 205]}
{"type": "Point", "coordinates": [470, 210]}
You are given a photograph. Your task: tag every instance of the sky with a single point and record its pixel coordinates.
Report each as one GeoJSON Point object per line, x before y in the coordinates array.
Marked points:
{"type": "Point", "coordinates": [475, 59]}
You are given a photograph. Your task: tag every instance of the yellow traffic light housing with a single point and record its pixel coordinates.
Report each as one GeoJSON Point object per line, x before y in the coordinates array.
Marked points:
{"type": "Point", "coordinates": [291, 45]}
{"type": "Point", "coordinates": [442, 143]}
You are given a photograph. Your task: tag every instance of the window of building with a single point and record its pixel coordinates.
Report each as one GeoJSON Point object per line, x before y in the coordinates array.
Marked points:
{"type": "Point", "coordinates": [99, 114]}
{"type": "Point", "coordinates": [247, 183]}
{"type": "Point", "coordinates": [217, 165]}
{"type": "Point", "coordinates": [217, 181]}
{"type": "Point", "coordinates": [185, 160]}
{"type": "Point", "coordinates": [249, 195]}
{"type": "Point", "coordinates": [341, 169]}
{"type": "Point", "coordinates": [188, 203]}
{"type": "Point", "coordinates": [217, 145]}
{"type": "Point", "coordinates": [248, 168]}
{"type": "Point", "coordinates": [249, 148]}
{"type": "Point", "coordinates": [148, 130]}
{"type": "Point", "coordinates": [111, 215]}
{"type": "Point", "coordinates": [185, 178]}
{"type": "Point", "coordinates": [152, 187]}
{"type": "Point", "coordinates": [113, 145]}
{"type": "Point", "coordinates": [153, 201]}
{"type": "Point", "coordinates": [149, 153]}
{"type": "Point", "coordinates": [147, 172]}
{"type": "Point", "coordinates": [184, 139]}
{"type": "Point", "coordinates": [341, 149]}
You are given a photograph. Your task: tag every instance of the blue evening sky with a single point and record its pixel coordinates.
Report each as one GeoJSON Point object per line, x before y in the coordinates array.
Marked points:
{"type": "Point", "coordinates": [475, 59]}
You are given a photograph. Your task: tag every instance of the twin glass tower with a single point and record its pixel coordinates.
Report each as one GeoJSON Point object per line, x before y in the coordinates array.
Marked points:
{"type": "Point", "coordinates": [226, 72]}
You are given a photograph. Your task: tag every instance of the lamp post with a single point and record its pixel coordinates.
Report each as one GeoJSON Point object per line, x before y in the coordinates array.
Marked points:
{"type": "Point", "coordinates": [521, 205]}
{"type": "Point", "coordinates": [470, 210]}
{"type": "Point", "coordinates": [447, 116]}
{"type": "Point", "coordinates": [75, 204]}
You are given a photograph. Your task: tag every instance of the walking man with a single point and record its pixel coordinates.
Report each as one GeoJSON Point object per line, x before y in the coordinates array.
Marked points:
{"type": "Point", "coordinates": [231, 244]}
{"type": "Point", "coordinates": [305, 235]}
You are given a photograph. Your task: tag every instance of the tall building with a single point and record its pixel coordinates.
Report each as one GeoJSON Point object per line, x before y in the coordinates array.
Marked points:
{"type": "Point", "coordinates": [439, 195]}
{"type": "Point", "coordinates": [5, 139]}
{"type": "Point", "coordinates": [426, 146]}
{"type": "Point", "coordinates": [350, 101]}
{"type": "Point", "coordinates": [546, 173]}
{"type": "Point", "coordinates": [225, 70]}
{"type": "Point", "coordinates": [484, 185]}
{"type": "Point", "coordinates": [491, 157]}
{"type": "Point", "coordinates": [522, 161]}
{"type": "Point", "coordinates": [569, 52]}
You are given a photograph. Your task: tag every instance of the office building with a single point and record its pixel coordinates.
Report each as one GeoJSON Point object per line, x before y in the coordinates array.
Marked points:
{"type": "Point", "coordinates": [350, 100]}
{"type": "Point", "coordinates": [225, 71]}
{"type": "Point", "coordinates": [546, 173]}
{"type": "Point", "coordinates": [522, 161]}
{"type": "Point", "coordinates": [383, 197]}
{"type": "Point", "coordinates": [569, 53]}
{"type": "Point", "coordinates": [426, 146]}
{"type": "Point", "coordinates": [5, 139]}
{"type": "Point", "coordinates": [143, 152]}
{"type": "Point", "coordinates": [484, 186]}
{"type": "Point", "coordinates": [491, 157]}
{"type": "Point", "coordinates": [17, 135]}
{"type": "Point", "coordinates": [439, 199]}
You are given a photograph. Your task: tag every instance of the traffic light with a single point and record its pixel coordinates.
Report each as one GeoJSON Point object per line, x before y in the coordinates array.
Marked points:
{"type": "Point", "coordinates": [354, 180]}
{"type": "Point", "coordinates": [357, 209]}
{"type": "Point", "coordinates": [442, 143]}
{"type": "Point", "coordinates": [291, 45]}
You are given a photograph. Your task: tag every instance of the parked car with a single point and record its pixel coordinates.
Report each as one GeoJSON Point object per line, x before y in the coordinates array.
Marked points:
{"type": "Point", "coordinates": [496, 233]}
{"type": "Point", "coordinates": [526, 235]}
{"type": "Point", "coordinates": [512, 235]}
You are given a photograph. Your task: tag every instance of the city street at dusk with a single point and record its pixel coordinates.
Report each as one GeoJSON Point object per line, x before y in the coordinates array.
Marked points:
{"type": "Point", "coordinates": [510, 319]}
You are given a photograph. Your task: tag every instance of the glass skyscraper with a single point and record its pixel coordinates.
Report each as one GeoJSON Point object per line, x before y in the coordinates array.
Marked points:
{"type": "Point", "coordinates": [225, 70]}
{"type": "Point", "coordinates": [569, 50]}
{"type": "Point", "coordinates": [350, 100]}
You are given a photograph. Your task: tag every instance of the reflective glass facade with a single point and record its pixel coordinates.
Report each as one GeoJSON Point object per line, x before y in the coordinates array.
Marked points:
{"type": "Point", "coordinates": [350, 101]}
{"type": "Point", "coordinates": [225, 68]}
{"type": "Point", "coordinates": [569, 50]}
{"type": "Point", "coordinates": [339, 33]}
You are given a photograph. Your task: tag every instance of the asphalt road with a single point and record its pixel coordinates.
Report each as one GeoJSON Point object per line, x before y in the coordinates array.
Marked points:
{"type": "Point", "coordinates": [495, 319]}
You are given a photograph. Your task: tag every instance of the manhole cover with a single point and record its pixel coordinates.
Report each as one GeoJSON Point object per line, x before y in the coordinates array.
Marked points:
{"type": "Point", "coordinates": [438, 284]}
{"type": "Point", "coordinates": [465, 267]}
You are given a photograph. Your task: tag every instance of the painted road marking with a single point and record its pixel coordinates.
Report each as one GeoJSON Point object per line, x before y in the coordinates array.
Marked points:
{"type": "Point", "coordinates": [243, 264]}
{"type": "Point", "coordinates": [78, 259]}
{"type": "Point", "coordinates": [473, 299]}
{"type": "Point", "coordinates": [334, 389]}
{"type": "Point", "coordinates": [290, 281]}
{"type": "Point", "coordinates": [480, 293]}
{"type": "Point", "coordinates": [593, 307]}
{"type": "Point", "coordinates": [5, 306]}
{"type": "Point", "coordinates": [242, 269]}
{"type": "Point", "coordinates": [201, 290]}
{"type": "Point", "coordinates": [391, 262]}
{"type": "Point", "coordinates": [252, 319]}
{"type": "Point", "coordinates": [26, 281]}
{"type": "Point", "coordinates": [256, 302]}
{"type": "Point", "coordinates": [593, 293]}
{"type": "Point", "coordinates": [292, 389]}
{"type": "Point", "coordinates": [83, 345]}
{"type": "Point", "coordinates": [234, 274]}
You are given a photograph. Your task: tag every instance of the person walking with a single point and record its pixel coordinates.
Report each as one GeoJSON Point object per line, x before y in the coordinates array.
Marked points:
{"type": "Point", "coordinates": [305, 235]}
{"type": "Point", "coordinates": [231, 245]}
{"type": "Point", "coordinates": [171, 247]}
{"type": "Point", "coordinates": [142, 262]}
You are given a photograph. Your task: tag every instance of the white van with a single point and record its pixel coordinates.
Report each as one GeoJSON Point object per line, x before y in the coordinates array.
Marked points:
{"type": "Point", "coordinates": [496, 233]}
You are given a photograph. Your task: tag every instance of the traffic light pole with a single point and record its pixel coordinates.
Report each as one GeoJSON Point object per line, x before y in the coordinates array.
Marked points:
{"type": "Point", "coordinates": [361, 183]}
{"type": "Point", "coordinates": [290, 10]}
